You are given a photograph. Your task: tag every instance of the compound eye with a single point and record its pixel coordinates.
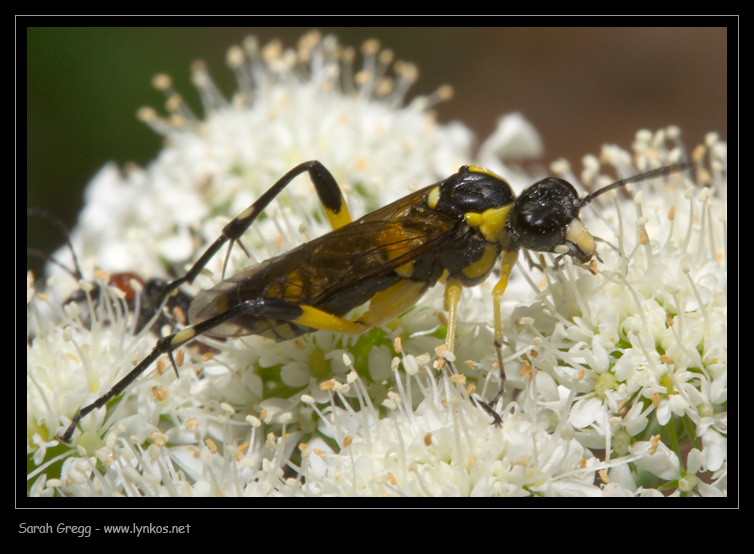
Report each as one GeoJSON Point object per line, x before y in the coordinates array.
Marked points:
{"type": "Point", "coordinates": [540, 216]}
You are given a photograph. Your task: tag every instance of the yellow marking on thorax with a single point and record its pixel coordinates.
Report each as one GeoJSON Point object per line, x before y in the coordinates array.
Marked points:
{"type": "Point", "coordinates": [483, 264]}
{"type": "Point", "coordinates": [491, 222]}
{"type": "Point", "coordinates": [433, 197]}
{"type": "Point", "coordinates": [477, 169]}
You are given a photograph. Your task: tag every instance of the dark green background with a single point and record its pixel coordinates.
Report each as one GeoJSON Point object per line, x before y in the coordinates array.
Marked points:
{"type": "Point", "coordinates": [580, 87]}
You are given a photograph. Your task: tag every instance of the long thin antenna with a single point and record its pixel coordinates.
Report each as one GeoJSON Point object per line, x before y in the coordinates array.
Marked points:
{"type": "Point", "coordinates": [44, 214]}
{"type": "Point", "coordinates": [660, 172]}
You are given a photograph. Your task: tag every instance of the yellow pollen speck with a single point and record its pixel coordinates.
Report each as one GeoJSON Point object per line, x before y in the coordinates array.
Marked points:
{"type": "Point", "coordinates": [704, 176]}
{"type": "Point", "coordinates": [146, 114]}
{"type": "Point", "coordinates": [669, 319]}
{"type": "Point", "coordinates": [526, 369]}
{"type": "Point", "coordinates": [623, 407]}
{"type": "Point", "coordinates": [370, 46]}
{"type": "Point", "coordinates": [698, 153]}
{"type": "Point", "coordinates": [180, 315]}
{"type": "Point", "coordinates": [234, 57]}
{"type": "Point", "coordinates": [386, 56]}
{"type": "Point", "coordinates": [272, 50]}
{"type": "Point", "coordinates": [172, 105]}
{"type": "Point", "coordinates": [160, 439]}
{"type": "Point", "coordinates": [162, 81]}
{"type": "Point", "coordinates": [445, 92]}
{"type": "Point", "coordinates": [442, 318]}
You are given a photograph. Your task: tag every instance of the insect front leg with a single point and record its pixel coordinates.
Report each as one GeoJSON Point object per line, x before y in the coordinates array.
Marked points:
{"type": "Point", "coordinates": [329, 195]}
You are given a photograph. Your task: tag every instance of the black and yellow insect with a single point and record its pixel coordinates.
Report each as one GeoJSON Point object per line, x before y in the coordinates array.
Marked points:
{"type": "Point", "coordinates": [454, 231]}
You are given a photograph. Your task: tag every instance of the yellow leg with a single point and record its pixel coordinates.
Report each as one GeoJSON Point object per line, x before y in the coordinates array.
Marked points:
{"type": "Point", "coordinates": [509, 260]}
{"type": "Point", "coordinates": [340, 218]}
{"type": "Point", "coordinates": [318, 319]}
{"type": "Point", "coordinates": [453, 289]}
{"type": "Point", "coordinates": [392, 302]}
{"type": "Point", "coordinates": [452, 296]}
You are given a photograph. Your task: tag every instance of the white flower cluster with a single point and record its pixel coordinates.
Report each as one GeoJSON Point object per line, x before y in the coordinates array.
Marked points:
{"type": "Point", "coordinates": [630, 361]}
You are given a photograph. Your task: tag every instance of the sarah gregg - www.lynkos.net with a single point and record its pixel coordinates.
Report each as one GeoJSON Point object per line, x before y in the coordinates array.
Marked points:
{"type": "Point", "coordinates": [84, 531]}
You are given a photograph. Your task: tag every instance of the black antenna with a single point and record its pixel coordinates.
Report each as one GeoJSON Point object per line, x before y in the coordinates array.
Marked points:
{"type": "Point", "coordinates": [44, 214]}
{"type": "Point", "coordinates": [660, 172]}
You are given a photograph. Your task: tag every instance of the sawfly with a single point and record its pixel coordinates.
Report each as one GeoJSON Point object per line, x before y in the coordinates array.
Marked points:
{"type": "Point", "coordinates": [453, 231]}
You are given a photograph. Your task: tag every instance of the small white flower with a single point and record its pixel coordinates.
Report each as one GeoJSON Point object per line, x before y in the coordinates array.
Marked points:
{"type": "Point", "coordinates": [445, 446]}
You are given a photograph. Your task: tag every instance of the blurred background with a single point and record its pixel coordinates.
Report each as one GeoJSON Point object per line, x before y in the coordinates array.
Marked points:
{"type": "Point", "coordinates": [580, 87]}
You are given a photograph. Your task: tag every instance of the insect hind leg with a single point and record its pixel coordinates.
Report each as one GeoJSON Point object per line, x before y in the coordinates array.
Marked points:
{"type": "Point", "coordinates": [246, 312]}
{"type": "Point", "coordinates": [329, 195]}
